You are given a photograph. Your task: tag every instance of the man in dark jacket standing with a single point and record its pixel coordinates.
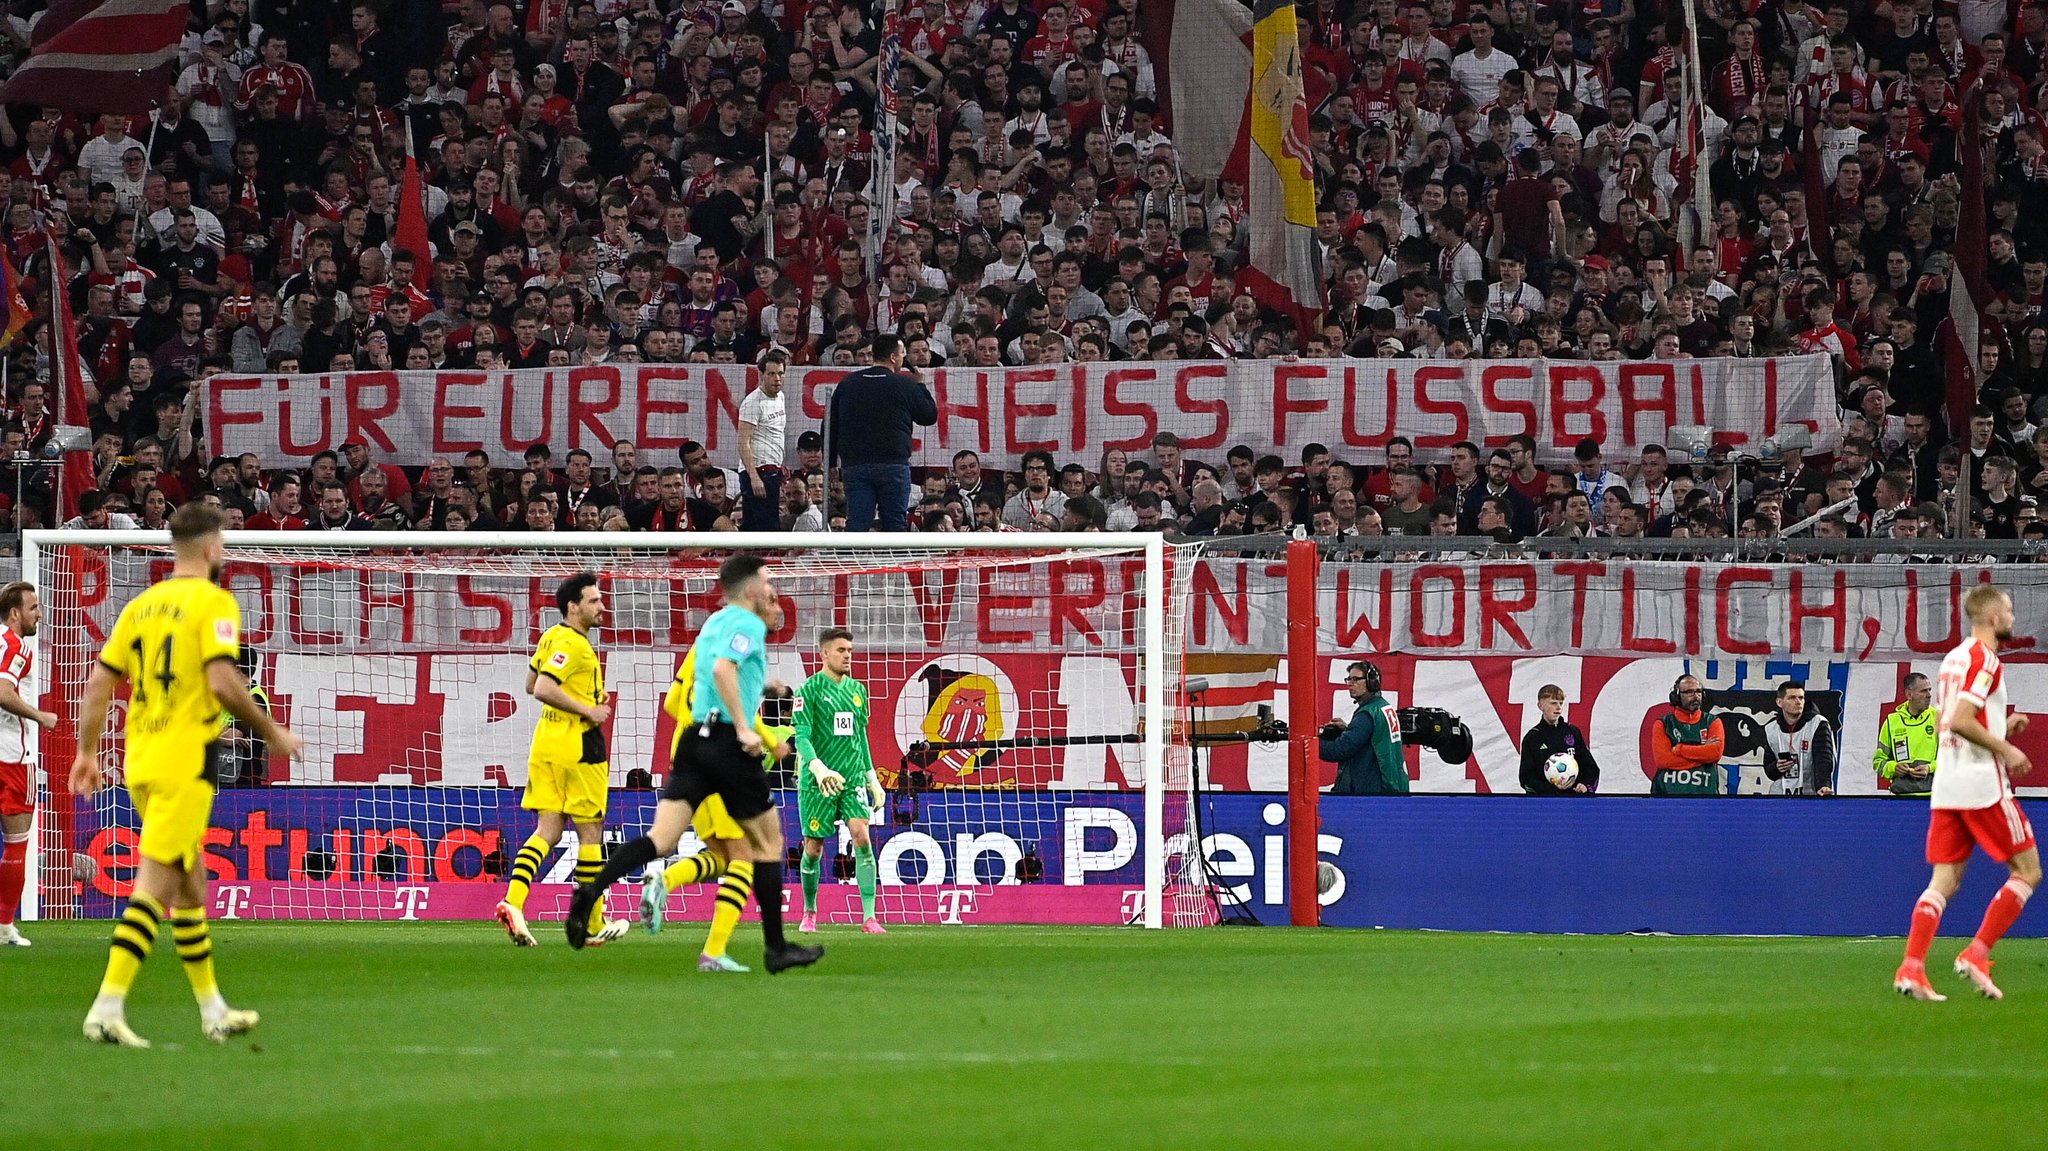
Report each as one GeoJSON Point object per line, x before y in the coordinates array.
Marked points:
{"type": "Point", "coordinates": [1367, 751]}
{"type": "Point", "coordinates": [1551, 735]}
{"type": "Point", "coordinates": [869, 422]}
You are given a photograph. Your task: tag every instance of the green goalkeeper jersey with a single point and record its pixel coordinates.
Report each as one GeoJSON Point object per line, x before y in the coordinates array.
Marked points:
{"type": "Point", "coordinates": [831, 718]}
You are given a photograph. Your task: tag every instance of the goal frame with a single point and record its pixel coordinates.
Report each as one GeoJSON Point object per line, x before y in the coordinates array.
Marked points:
{"type": "Point", "coordinates": [1153, 718]}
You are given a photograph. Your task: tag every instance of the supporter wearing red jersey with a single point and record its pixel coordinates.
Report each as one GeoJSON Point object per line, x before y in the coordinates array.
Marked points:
{"type": "Point", "coordinates": [1972, 803]}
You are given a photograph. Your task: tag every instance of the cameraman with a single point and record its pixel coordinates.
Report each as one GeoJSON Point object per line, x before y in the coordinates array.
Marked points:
{"type": "Point", "coordinates": [1367, 751]}
{"type": "Point", "coordinates": [1906, 742]}
{"type": "Point", "coordinates": [1799, 754]}
{"type": "Point", "coordinates": [1551, 735]}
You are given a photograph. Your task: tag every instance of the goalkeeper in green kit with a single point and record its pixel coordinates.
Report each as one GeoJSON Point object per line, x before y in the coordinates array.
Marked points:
{"type": "Point", "coordinates": [836, 779]}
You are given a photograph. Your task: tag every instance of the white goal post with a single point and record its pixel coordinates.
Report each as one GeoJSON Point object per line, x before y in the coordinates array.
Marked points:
{"type": "Point", "coordinates": [1028, 714]}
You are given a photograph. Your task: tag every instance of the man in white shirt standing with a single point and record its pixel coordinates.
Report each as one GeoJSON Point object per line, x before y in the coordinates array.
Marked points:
{"type": "Point", "coordinates": [764, 420]}
{"type": "Point", "coordinates": [1479, 71]}
{"type": "Point", "coordinates": [1972, 803]}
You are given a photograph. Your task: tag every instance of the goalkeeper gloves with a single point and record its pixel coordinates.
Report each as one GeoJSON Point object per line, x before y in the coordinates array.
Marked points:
{"type": "Point", "coordinates": [829, 782]}
{"type": "Point", "coordinates": [880, 798]}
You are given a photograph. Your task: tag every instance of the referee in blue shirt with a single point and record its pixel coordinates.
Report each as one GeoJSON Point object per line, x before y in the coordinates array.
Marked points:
{"type": "Point", "coordinates": [870, 418]}
{"type": "Point", "coordinates": [720, 755]}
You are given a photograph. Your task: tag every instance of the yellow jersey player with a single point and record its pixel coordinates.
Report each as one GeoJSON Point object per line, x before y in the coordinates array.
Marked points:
{"type": "Point", "coordinates": [568, 772]}
{"type": "Point", "coordinates": [176, 645]}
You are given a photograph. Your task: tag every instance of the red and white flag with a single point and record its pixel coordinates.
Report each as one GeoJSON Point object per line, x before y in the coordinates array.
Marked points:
{"type": "Point", "coordinates": [101, 56]}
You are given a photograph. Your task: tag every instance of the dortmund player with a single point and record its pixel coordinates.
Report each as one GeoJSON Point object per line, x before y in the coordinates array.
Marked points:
{"type": "Point", "coordinates": [837, 782]}
{"type": "Point", "coordinates": [721, 755]}
{"type": "Point", "coordinates": [176, 645]}
{"type": "Point", "coordinates": [569, 769]}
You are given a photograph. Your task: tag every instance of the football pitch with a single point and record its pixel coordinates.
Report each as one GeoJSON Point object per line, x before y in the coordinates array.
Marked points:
{"type": "Point", "coordinates": [442, 1035]}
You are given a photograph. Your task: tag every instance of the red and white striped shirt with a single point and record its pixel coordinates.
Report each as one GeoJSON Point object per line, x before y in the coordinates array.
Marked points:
{"type": "Point", "coordinates": [1967, 777]}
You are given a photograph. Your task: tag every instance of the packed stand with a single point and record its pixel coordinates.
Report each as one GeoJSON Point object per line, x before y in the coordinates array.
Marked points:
{"type": "Point", "coordinates": [691, 182]}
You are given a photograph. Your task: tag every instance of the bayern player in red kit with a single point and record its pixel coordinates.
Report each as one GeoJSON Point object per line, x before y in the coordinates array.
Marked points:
{"type": "Point", "coordinates": [19, 616]}
{"type": "Point", "coordinates": [1973, 804]}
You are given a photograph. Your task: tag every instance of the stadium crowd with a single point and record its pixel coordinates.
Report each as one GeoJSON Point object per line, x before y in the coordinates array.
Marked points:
{"type": "Point", "coordinates": [691, 180]}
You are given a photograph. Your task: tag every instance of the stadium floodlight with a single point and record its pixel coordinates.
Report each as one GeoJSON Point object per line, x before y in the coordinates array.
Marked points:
{"type": "Point", "coordinates": [1027, 696]}
{"type": "Point", "coordinates": [1695, 440]}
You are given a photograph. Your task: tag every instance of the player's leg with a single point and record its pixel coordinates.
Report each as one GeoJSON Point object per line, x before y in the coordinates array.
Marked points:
{"type": "Point", "coordinates": [864, 874]}
{"type": "Point", "coordinates": [715, 829]}
{"type": "Point", "coordinates": [526, 866]}
{"type": "Point", "coordinates": [589, 862]}
{"type": "Point", "coordinates": [2003, 831]}
{"type": "Point", "coordinates": [763, 824]}
{"type": "Point", "coordinates": [725, 911]}
{"type": "Point", "coordinates": [1949, 844]}
{"type": "Point", "coordinates": [174, 818]}
{"type": "Point", "coordinates": [811, 869]}
{"type": "Point", "coordinates": [671, 816]}
{"type": "Point", "coordinates": [195, 951]}
{"type": "Point", "coordinates": [14, 833]}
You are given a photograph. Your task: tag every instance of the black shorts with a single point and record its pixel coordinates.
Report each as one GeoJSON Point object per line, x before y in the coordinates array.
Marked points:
{"type": "Point", "coordinates": [709, 760]}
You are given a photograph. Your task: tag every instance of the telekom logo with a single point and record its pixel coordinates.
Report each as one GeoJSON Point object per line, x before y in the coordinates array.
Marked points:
{"type": "Point", "coordinates": [229, 902]}
{"type": "Point", "coordinates": [411, 901]}
{"type": "Point", "coordinates": [955, 903]}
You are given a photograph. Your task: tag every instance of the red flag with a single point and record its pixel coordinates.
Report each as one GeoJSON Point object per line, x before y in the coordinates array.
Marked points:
{"type": "Point", "coordinates": [1967, 289]}
{"type": "Point", "coordinates": [412, 226]}
{"type": "Point", "coordinates": [14, 303]}
{"type": "Point", "coordinates": [101, 56]}
{"type": "Point", "coordinates": [67, 385]}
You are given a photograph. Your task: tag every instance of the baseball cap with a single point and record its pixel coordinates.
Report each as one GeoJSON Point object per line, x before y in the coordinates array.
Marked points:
{"type": "Point", "coordinates": [733, 8]}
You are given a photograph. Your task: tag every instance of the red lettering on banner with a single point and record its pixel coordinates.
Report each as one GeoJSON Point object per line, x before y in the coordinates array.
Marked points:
{"type": "Point", "coordinates": [1187, 404]}
{"type": "Point", "coordinates": [1499, 403]}
{"type": "Point", "coordinates": [1130, 574]}
{"type": "Point", "coordinates": [219, 868]}
{"type": "Point", "coordinates": [1497, 609]}
{"type": "Point", "coordinates": [323, 439]}
{"type": "Point", "coordinates": [1231, 609]}
{"type": "Point", "coordinates": [1356, 399]}
{"type": "Point", "coordinates": [258, 837]}
{"type": "Point", "coordinates": [721, 404]}
{"type": "Point", "coordinates": [295, 613]}
{"type": "Point", "coordinates": [541, 612]}
{"type": "Point", "coordinates": [1349, 627]}
{"type": "Point", "coordinates": [1695, 382]}
{"type": "Point", "coordinates": [1951, 610]}
{"type": "Point", "coordinates": [406, 842]}
{"type": "Point", "coordinates": [583, 414]}
{"type": "Point", "coordinates": [447, 411]}
{"type": "Point", "coordinates": [1661, 400]}
{"type": "Point", "coordinates": [364, 421]}
{"type": "Point", "coordinates": [934, 591]}
{"type": "Point", "coordinates": [1579, 572]}
{"type": "Point", "coordinates": [1418, 602]}
{"type": "Point", "coordinates": [1015, 411]}
{"type": "Point", "coordinates": [500, 606]}
{"type": "Point", "coordinates": [1564, 431]}
{"type": "Point", "coordinates": [947, 388]}
{"type": "Point", "coordinates": [1286, 404]}
{"type": "Point", "coordinates": [1070, 608]}
{"type": "Point", "coordinates": [1728, 579]}
{"type": "Point", "coordinates": [1692, 609]}
{"type": "Point", "coordinates": [1799, 610]}
{"type": "Point", "coordinates": [377, 593]}
{"type": "Point", "coordinates": [219, 419]}
{"type": "Point", "coordinates": [1630, 641]}
{"type": "Point", "coordinates": [1458, 408]}
{"type": "Point", "coordinates": [1116, 407]}
{"type": "Point", "coordinates": [1079, 404]}
{"type": "Point", "coordinates": [515, 394]}
{"type": "Point", "coordinates": [653, 405]}
{"type": "Point", "coordinates": [458, 839]}
{"type": "Point", "coordinates": [990, 603]}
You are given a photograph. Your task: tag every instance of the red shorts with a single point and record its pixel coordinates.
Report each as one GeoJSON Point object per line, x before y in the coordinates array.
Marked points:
{"type": "Point", "coordinates": [2001, 830]}
{"type": "Point", "coordinates": [15, 796]}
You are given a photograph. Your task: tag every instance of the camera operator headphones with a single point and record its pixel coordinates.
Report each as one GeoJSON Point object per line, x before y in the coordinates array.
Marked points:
{"type": "Point", "coordinates": [1674, 688]}
{"type": "Point", "coordinates": [1371, 672]}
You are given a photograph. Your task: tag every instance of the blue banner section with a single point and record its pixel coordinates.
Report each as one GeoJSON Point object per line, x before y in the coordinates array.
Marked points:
{"type": "Point", "coordinates": [1601, 866]}
{"type": "Point", "coordinates": [1454, 863]}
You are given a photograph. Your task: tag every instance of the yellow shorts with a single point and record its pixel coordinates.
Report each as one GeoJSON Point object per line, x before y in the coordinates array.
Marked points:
{"type": "Point", "coordinates": [577, 790]}
{"type": "Point", "coordinates": [712, 821]}
{"type": "Point", "coordinates": [174, 815]}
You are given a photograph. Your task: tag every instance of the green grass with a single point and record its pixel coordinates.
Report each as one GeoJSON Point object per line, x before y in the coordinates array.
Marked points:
{"type": "Point", "coordinates": [417, 1036]}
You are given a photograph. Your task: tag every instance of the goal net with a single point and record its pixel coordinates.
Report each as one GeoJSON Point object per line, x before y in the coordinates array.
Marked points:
{"type": "Point", "coordinates": [1027, 718]}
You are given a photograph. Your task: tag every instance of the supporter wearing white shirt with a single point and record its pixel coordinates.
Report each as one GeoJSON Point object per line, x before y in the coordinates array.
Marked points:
{"type": "Point", "coordinates": [1479, 71]}
{"type": "Point", "coordinates": [764, 424]}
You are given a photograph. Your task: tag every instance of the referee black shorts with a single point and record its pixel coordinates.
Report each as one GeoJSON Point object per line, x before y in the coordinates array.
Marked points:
{"type": "Point", "coordinates": [709, 760]}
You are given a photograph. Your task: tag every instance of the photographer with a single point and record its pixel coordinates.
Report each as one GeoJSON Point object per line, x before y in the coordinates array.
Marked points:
{"type": "Point", "coordinates": [1906, 742]}
{"type": "Point", "coordinates": [1800, 747]}
{"type": "Point", "coordinates": [1367, 751]}
{"type": "Point", "coordinates": [1552, 735]}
